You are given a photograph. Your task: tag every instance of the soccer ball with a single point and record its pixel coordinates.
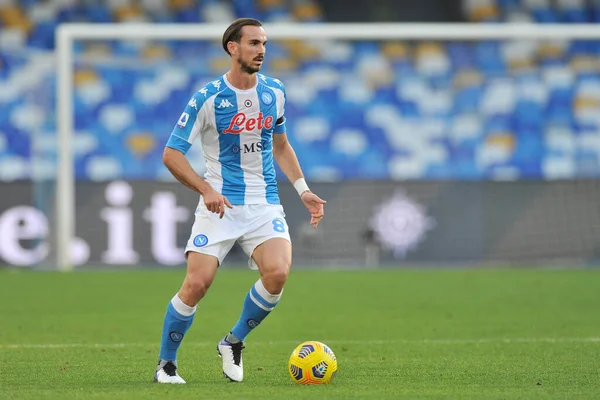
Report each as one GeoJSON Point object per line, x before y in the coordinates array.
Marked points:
{"type": "Point", "coordinates": [312, 363]}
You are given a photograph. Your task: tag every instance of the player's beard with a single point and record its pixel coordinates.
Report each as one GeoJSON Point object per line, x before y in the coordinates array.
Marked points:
{"type": "Point", "coordinates": [247, 68]}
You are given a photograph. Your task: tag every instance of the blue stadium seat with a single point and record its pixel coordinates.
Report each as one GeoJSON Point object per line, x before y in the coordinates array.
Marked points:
{"type": "Point", "coordinates": [545, 15]}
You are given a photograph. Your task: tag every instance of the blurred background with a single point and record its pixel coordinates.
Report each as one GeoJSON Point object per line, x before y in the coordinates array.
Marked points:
{"type": "Point", "coordinates": [444, 153]}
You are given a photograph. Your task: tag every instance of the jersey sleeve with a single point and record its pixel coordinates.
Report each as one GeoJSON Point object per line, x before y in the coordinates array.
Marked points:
{"type": "Point", "coordinates": [189, 125]}
{"type": "Point", "coordinates": [281, 99]}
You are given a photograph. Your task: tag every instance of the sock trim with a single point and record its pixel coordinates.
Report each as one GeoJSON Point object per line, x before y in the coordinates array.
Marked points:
{"type": "Point", "coordinates": [181, 307]}
{"type": "Point", "coordinates": [262, 292]}
{"type": "Point", "coordinates": [259, 301]}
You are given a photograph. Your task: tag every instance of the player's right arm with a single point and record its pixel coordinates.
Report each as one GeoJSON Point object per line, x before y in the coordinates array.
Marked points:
{"type": "Point", "coordinates": [187, 128]}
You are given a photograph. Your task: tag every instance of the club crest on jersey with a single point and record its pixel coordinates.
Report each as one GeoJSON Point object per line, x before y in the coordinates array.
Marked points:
{"type": "Point", "coordinates": [240, 123]}
{"type": "Point", "coordinates": [266, 98]}
{"type": "Point", "coordinates": [183, 120]}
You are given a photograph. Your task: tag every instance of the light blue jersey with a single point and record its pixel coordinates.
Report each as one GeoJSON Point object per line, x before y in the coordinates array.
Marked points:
{"type": "Point", "coordinates": [236, 130]}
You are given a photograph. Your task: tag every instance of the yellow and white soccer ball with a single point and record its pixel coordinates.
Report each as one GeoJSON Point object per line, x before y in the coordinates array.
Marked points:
{"type": "Point", "coordinates": [312, 363]}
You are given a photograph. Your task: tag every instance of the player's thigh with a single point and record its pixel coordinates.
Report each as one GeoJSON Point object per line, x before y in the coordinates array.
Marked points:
{"type": "Point", "coordinates": [268, 241]}
{"type": "Point", "coordinates": [273, 255]}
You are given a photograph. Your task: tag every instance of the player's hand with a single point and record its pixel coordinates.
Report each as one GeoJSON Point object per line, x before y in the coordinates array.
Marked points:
{"type": "Point", "coordinates": [315, 206]}
{"type": "Point", "coordinates": [215, 202]}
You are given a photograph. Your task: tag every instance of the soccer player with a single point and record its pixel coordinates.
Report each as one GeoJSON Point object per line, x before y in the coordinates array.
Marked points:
{"type": "Point", "coordinates": [239, 121]}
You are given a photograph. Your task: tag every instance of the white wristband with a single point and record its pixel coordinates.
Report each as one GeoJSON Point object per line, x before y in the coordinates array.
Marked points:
{"type": "Point", "coordinates": [301, 186]}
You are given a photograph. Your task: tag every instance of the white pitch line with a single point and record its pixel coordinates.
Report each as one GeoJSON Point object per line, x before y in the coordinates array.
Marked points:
{"type": "Point", "coordinates": [295, 342]}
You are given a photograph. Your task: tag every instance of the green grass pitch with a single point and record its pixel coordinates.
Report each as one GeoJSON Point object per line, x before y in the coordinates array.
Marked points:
{"type": "Point", "coordinates": [408, 333]}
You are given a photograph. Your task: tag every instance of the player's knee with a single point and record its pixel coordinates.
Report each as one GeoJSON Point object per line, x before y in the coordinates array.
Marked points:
{"type": "Point", "coordinates": [275, 279]}
{"type": "Point", "coordinates": [196, 287]}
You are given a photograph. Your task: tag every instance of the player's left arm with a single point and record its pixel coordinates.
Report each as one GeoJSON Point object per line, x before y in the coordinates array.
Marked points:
{"type": "Point", "coordinates": [288, 162]}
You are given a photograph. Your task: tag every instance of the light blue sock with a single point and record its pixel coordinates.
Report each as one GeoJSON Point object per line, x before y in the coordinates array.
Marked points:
{"type": "Point", "coordinates": [178, 319]}
{"type": "Point", "coordinates": [257, 305]}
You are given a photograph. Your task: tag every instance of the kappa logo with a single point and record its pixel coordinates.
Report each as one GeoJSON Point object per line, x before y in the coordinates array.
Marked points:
{"type": "Point", "coordinates": [216, 84]}
{"type": "Point", "coordinates": [192, 103]}
{"type": "Point", "coordinates": [183, 120]}
{"type": "Point", "coordinates": [225, 103]}
{"type": "Point", "coordinates": [203, 91]}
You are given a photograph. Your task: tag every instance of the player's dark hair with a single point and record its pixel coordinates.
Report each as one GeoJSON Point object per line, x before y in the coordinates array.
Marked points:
{"type": "Point", "coordinates": [234, 32]}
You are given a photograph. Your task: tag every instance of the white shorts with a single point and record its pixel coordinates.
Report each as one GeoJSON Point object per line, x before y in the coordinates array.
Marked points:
{"type": "Point", "coordinates": [249, 224]}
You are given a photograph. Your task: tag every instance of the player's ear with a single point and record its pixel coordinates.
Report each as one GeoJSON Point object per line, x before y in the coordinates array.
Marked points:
{"type": "Point", "coordinates": [232, 47]}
